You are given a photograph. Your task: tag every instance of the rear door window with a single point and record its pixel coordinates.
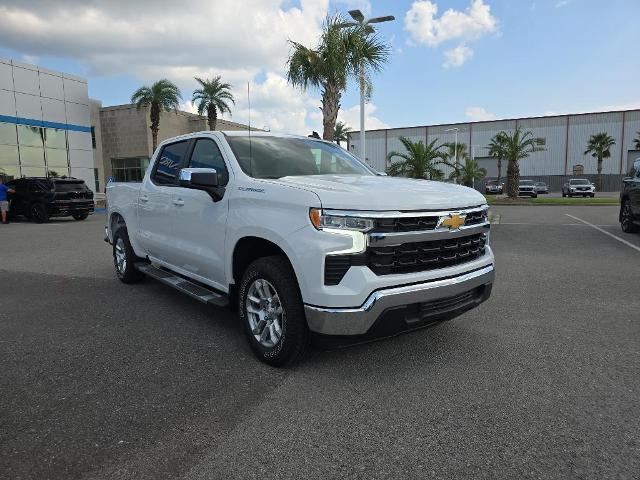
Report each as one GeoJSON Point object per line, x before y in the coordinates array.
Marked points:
{"type": "Point", "coordinates": [169, 163]}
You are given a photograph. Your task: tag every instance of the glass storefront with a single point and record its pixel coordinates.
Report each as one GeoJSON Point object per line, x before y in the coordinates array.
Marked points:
{"type": "Point", "coordinates": [27, 151]}
{"type": "Point", "coordinates": [129, 169]}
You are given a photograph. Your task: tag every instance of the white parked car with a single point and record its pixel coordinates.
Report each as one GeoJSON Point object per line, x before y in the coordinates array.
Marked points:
{"type": "Point", "coordinates": [578, 186]}
{"type": "Point", "coordinates": [301, 237]}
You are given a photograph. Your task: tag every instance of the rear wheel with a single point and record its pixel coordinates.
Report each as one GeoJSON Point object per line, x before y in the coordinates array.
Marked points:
{"type": "Point", "coordinates": [272, 312]}
{"type": "Point", "coordinates": [80, 216]}
{"type": "Point", "coordinates": [38, 213]}
{"type": "Point", "coordinates": [626, 219]}
{"type": "Point", "coordinates": [124, 258]}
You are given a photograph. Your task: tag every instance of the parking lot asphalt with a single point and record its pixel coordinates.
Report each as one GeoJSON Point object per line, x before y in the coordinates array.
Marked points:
{"type": "Point", "coordinates": [101, 380]}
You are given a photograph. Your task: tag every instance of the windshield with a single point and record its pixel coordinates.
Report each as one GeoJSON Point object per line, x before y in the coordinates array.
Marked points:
{"type": "Point", "coordinates": [276, 157]}
{"type": "Point", "coordinates": [492, 182]}
{"type": "Point", "coordinates": [526, 182]}
{"type": "Point", "coordinates": [579, 182]}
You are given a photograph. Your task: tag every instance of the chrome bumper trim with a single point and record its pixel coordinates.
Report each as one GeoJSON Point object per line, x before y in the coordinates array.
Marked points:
{"type": "Point", "coordinates": [397, 238]}
{"type": "Point", "coordinates": [357, 321]}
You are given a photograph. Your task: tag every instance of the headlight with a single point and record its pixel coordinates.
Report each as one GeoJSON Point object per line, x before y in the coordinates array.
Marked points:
{"type": "Point", "coordinates": [322, 220]}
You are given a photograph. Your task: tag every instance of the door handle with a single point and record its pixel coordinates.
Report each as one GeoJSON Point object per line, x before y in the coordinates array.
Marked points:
{"type": "Point", "coordinates": [179, 202]}
{"type": "Point", "coordinates": [144, 198]}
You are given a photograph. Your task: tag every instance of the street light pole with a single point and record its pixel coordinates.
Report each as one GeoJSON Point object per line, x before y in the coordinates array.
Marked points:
{"type": "Point", "coordinates": [358, 16]}
{"type": "Point", "coordinates": [455, 151]}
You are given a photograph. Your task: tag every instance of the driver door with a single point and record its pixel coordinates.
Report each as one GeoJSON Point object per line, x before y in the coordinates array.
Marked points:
{"type": "Point", "coordinates": [199, 223]}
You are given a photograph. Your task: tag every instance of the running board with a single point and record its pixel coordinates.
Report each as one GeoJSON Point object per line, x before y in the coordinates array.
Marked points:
{"type": "Point", "coordinates": [200, 293]}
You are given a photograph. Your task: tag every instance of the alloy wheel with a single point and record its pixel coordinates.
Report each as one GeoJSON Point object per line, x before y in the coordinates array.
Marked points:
{"type": "Point", "coordinates": [121, 256]}
{"type": "Point", "coordinates": [265, 313]}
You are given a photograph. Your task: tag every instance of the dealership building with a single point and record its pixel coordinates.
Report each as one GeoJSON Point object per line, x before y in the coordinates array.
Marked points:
{"type": "Point", "coordinates": [563, 139]}
{"type": "Point", "coordinates": [50, 127]}
{"type": "Point", "coordinates": [45, 126]}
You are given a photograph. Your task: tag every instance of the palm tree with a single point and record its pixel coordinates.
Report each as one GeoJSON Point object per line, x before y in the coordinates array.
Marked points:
{"type": "Point", "coordinates": [455, 152]}
{"type": "Point", "coordinates": [341, 53]}
{"type": "Point", "coordinates": [212, 97]}
{"type": "Point", "coordinates": [162, 95]}
{"type": "Point", "coordinates": [636, 142]}
{"type": "Point", "coordinates": [517, 145]}
{"type": "Point", "coordinates": [419, 161]}
{"type": "Point", "coordinates": [341, 132]}
{"type": "Point", "coordinates": [599, 146]}
{"type": "Point", "coordinates": [496, 150]}
{"type": "Point", "coordinates": [468, 172]}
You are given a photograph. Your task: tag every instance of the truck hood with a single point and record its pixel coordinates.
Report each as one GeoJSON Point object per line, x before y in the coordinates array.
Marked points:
{"type": "Point", "coordinates": [354, 192]}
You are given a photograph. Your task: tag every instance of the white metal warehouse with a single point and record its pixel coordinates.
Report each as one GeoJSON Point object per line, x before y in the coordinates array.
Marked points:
{"type": "Point", "coordinates": [563, 137]}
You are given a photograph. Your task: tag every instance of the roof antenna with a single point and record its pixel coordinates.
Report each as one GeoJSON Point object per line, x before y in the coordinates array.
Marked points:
{"type": "Point", "coordinates": [250, 153]}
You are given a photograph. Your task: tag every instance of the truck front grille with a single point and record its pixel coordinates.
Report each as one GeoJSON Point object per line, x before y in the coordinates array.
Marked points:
{"type": "Point", "coordinates": [421, 256]}
{"type": "Point", "coordinates": [405, 224]}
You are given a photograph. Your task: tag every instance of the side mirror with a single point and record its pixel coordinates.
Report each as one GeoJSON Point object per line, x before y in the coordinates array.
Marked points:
{"type": "Point", "coordinates": [205, 179]}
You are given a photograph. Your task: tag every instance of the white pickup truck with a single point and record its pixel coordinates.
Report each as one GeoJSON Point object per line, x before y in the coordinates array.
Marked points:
{"type": "Point", "coordinates": [301, 237]}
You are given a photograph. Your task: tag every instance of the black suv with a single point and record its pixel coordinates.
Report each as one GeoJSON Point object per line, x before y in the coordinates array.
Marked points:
{"type": "Point", "coordinates": [630, 200]}
{"type": "Point", "coordinates": [41, 198]}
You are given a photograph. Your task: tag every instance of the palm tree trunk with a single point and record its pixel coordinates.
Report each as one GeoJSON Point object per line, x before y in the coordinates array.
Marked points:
{"type": "Point", "coordinates": [599, 174]}
{"type": "Point", "coordinates": [513, 176]}
{"type": "Point", "coordinates": [330, 106]}
{"type": "Point", "coordinates": [155, 125]}
{"type": "Point", "coordinates": [499, 169]}
{"type": "Point", "coordinates": [212, 116]}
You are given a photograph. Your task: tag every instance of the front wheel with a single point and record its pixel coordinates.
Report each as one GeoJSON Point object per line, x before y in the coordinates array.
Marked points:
{"type": "Point", "coordinates": [272, 312]}
{"type": "Point", "coordinates": [626, 219]}
{"type": "Point", "coordinates": [80, 216]}
{"type": "Point", "coordinates": [124, 258]}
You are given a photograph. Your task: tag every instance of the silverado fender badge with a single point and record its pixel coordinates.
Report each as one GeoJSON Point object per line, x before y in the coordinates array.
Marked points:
{"type": "Point", "coordinates": [452, 222]}
{"type": "Point", "coordinates": [251, 189]}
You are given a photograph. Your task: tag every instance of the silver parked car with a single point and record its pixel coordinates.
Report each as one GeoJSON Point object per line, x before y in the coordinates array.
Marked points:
{"type": "Point", "coordinates": [527, 188]}
{"type": "Point", "coordinates": [578, 186]}
{"type": "Point", "coordinates": [493, 187]}
{"type": "Point", "coordinates": [542, 187]}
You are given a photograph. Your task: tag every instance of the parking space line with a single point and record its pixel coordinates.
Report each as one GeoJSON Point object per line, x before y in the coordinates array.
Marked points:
{"type": "Point", "coordinates": [628, 244]}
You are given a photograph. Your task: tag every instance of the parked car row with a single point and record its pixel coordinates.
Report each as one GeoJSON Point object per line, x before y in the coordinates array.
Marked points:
{"type": "Point", "coordinates": [39, 199]}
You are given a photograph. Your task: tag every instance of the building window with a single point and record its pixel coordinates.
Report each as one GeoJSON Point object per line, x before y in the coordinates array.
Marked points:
{"type": "Point", "coordinates": [93, 137]}
{"type": "Point", "coordinates": [129, 169]}
{"type": "Point", "coordinates": [97, 178]}
{"type": "Point", "coordinates": [541, 141]}
{"type": "Point", "coordinates": [28, 151]}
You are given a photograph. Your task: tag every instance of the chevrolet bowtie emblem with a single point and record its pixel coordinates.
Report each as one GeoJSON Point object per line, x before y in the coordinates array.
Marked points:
{"type": "Point", "coordinates": [453, 221]}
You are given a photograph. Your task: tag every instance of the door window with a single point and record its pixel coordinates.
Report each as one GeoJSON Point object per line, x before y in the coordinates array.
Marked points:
{"type": "Point", "coordinates": [206, 154]}
{"type": "Point", "coordinates": [170, 160]}
{"type": "Point", "coordinates": [636, 167]}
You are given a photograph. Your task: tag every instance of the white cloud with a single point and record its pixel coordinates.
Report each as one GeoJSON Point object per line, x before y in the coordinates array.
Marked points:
{"type": "Point", "coordinates": [478, 114]}
{"type": "Point", "coordinates": [132, 37]}
{"type": "Point", "coordinates": [425, 28]}
{"type": "Point", "coordinates": [153, 39]}
{"type": "Point", "coordinates": [456, 57]}
{"type": "Point", "coordinates": [562, 3]}
{"type": "Point", "coordinates": [351, 116]}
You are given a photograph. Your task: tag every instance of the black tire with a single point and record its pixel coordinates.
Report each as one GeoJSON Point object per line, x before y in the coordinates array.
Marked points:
{"type": "Point", "coordinates": [563, 194]}
{"type": "Point", "coordinates": [592, 195]}
{"type": "Point", "coordinates": [38, 213]}
{"type": "Point", "coordinates": [80, 216]}
{"type": "Point", "coordinates": [126, 272]}
{"type": "Point", "coordinates": [534, 196]}
{"type": "Point", "coordinates": [626, 218]}
{"type": "Point", "coordinates": [295, 336]}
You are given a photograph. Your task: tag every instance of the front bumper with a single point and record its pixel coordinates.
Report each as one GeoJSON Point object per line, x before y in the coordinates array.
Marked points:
{"type": "Point", "coordinates": [406, 307]}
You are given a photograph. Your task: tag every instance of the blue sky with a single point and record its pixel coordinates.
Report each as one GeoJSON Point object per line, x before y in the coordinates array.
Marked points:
{"type": "Point", "coordinates": [507, 58]}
